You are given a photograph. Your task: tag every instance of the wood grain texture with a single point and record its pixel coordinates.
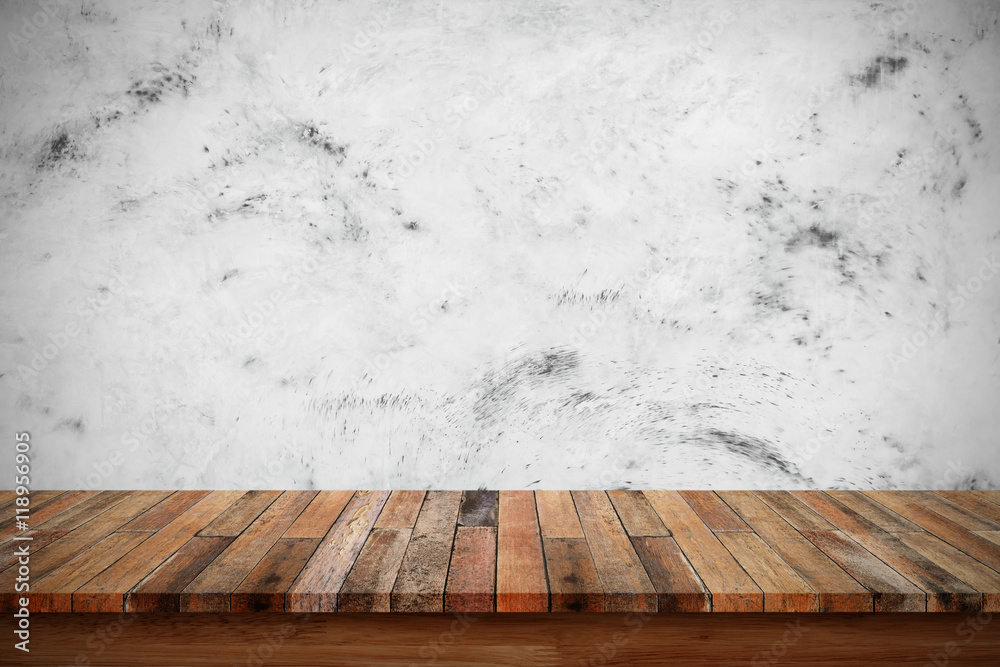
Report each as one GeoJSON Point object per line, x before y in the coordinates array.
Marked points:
{"type": "Point", "coordinates": [784, 590]}
{"type": "Point", "coordinates": [960, 564]}
{"type": "Point", "coordinates": [732, 588]}
{"type": "Point", "coordinates": [265, 587]}
{"type": "Point", "coordinates": [165, 511]}
{"type": "Point", "coordinates": [717, 515]}
{"type": "Point", "coordinates": [317, 585]}
{"type": "Point", "coordinates": [991, 535]}
{"type": "Point", "coordinates": [401, 509]}
{"type": "Point", "coordinates": [84, 511]}
{"type": "Point", "coordinates": [873, 511]}
{"type": "Point", "coordinates": [368, 587]}
{"type": "Point", "coordinates": [957, 514]}
{"type": "Point", "coordinates": [623, 578]}
{"type": "Point", "coordinates": [39, 540]}
{"type": "Point", "coordinates": [795, 513]}
{"type": "Point", "coordinates": [323, 511]}
{"type": "Point", "coordinates": [160, 591]}
{"type": "Point", "coordinates": [471, 583]}
{"type": "Point", "coordinates": [478, 508]}
{"type": "Point", "coordinates": [557, 514]}
{"type": "Point", "coordinates": [42, 511]}
{"type": "Point", "coordinates": [636, 515]}
{"type": "Point", "coordinates": [240, 514]}
{"type": "Point", "coordinates": [573, 579]}
{"type": "Point", "coordinates": [976, 503]}
{"type": "Point", "coordinates": [521, 579]}
{"type": "Point", "coordinates": [423, 573]}
{"type": "Point", "coordinates": [678, 586]}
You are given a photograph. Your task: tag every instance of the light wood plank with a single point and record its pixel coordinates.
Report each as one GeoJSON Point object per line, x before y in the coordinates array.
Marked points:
{"type": "Point", "coordinates": [784, 590]}
{"type": "Point", "coordinates": [557, 515]}
{"type": "Point", "coordinates": [316, 520]}
{"type": "Point", "coordinates": [795, 513]}
{"type": "Point", "coordinates": [573, 577]}
{"type": "Point", "coordinates": [717, 515]}
{"type": "Point", "coordinates": [938, 504]}
{"type": "Point", "coordinates": [401, 509]}
{"type": "Point", "coordinates": [971, 501]}
{"type": "Point", "coordinates": [265, 587]}
{"type": "Point", "coordinates": [521, 580]}
{"type": "Point", "coordinates": [636, 515]}
{"type": "Point", "coordinates": [472, 573]}
{"type": "Point", "coordinates": [240, 514]}
{"type": "Point", "coordinates": [160, 591]}
{"type": "Point", "coordinates": [678, 586]}
{"type": "Point", "coordinates": [368, 587]}
{"type": "Point", "coordinates": [424, 571]}
{"type": "Point", "coordinates": [873, 511]}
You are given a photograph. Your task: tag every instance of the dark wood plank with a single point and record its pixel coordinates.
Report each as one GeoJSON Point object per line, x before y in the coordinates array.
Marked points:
{"type": "Point", "coordinates": [368, 587]}
{"type": "Point", "coordinates": [41, 512]}
{"type": "Point", "coordinates": [976, 503]}
{"type": "Point", "coordinates": [960, 564]}
{"type": "Point", "coordinates": [423, 573]}
{"type": "Point", "coordinates": [323, 511]}
{"type": "Point", "coordinates": [39, 540]}
{"type": "Point", "coordinates": [938, 504]}
{"type": "Point", "coordinates": [573, 578]}
{"type": "Point", "coordinates": [323, 575]}
{"type": "Point", "coordinates": [212, 589]}
{"type": "Point", "coordinates": [732, 588]}
{"type": "Point", "coordinates": [795, 513]}
{"type": "Point", "coordinates": [82, 512]}
{"type": "Point", "coordinates": [717, 515]}
{"type": "Point", "coordinates": [265, 587]}
{"type": "Point", "coordinates": [623, 578]}
{"type": "Point", "coordinates": [161, 590]}
{"type": "Point", "coordinates": [521, 580]}
{"type": "Point", "coordinates": [472, 573]}
{"type": "Point", "coordinates": [891, 591]}
{"type": "Point", "coordinates": [873, 511]}
{"type": "Point", "coordinates": [945, 592]}
{"type": "Point", "coordinates": [784, 590]}
{"type": "Point", "coordinates": [35, 500]}
{"type": "Point", "coordinates": [401, 509]}
{"type": "Point", "coordinates": [636, 515]}
{"type": "Point", "coordinates": [164, 511]}
{"type": "Point", "coordinates": [678, 586]}
{"type": "Point", "coordinates": [478, 508]}
{"type": "Point", "coordinates": [837, 590]}
{"type": "Point", "coordinates": [240, 514]}
{"type": "Point", "coordinates": [557, 515]}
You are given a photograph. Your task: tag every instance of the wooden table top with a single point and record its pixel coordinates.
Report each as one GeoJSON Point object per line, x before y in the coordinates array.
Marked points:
{"type": "Point", "coordinates": [485, 551]}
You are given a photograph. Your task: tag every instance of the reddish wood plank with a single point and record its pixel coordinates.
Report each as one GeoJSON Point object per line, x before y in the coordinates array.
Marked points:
{"type": "Point", "coordinates": [678, 586]}
{"type": "Point", "coordinates": [211, 590]}
{"type": "Point", "coordinates": [240, 514]}
{"type": "Point", "coordinates": [962, 565]}
{"type": "Point", "coordinates": [472, 573]}
{"type": "Point", "coordinates": [478, 508]}
{"type": "Point", "coordinates": [521, 581]}
{"type": "Point", "coordinates": [636, 515]}
{"type": "Point", "coordinates": [573, 576]}
{"type": "Point", "coordinates": [424, 571]}
{"type": "Point", "coordinates": [322, 577]}
{"type": "Point", "coordinates": [784, 590]}
{"type": "Point", "coordinates": [731, 587]}
{"type": "Point", "coordinates": [945, 592]}
{"type": "Point", "coordinates": [84, 511]}
{"type": "Point", "coordinates": [165, 511]}
{"type": "Point", "coordinates": [43, 511]}
{"type": "Point", "coordinates": [264, 588]}
{"type": "Point", "coordinates": [557, 514]}
{"type": "Point", "coordinates": [873, 511]}
{"type": "Point", "coordinates": [891, 591]}
{"type": "Point", "coordinates": [717, 515]}
{"type": "Point", "coordinates": [401, 509]}
{"type": "Point", "coordinates": [323, 511]}
{"type": "Point", "coordinates": [623, 578]}
{"type": "Point", "coordinates": [795, 513]}
{"type": "Point", "coordinates": [368, 587]}
{"type": "Point", "coordinates": [976, 503]}
{"type": "Point", "coordinates": [161, 590]}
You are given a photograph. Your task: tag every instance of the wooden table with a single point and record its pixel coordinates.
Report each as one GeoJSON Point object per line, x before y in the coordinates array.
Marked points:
{"type": "Point", "coordinates": [897, 572]}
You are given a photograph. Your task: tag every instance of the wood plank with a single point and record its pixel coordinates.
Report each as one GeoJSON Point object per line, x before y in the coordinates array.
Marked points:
{"type": "Point", "coordinates": [991, 496]}
{"type": "Point", "coordinates": [423, 573]}
{"type": "Point", "coordinates": [212, 589]}
{"type": "Point", "coordinates": [160, 591]}
{"type": "Point", "coordinates": [368, 587]}
{"type": "Point", "coordinates": [54, 591]}
{"type": "Point", "coordinates": [521, 580]}
{"type": "Point", "coordinates": [322, 577]}
{"type": "Point", "coordinates": [981, 507]}
{"type": "Point", "coordinates": [678, 586]}
{"type": "Point", "coordinates": [623, 578]}
{"type": "Point", "coordinates": [795, 513]}
{"type": "Point", "coordinates": [39, 540]}
{"type": "Point", "coordinates": [240, 514]}
{"type": "Point", "coordinates": [873, 511]}
{"type": "Point", "coordinates": [960, 564]}
{"type": "Point", "coordinates": [107, 590]}
{"type": "Point", "coordinates": [891, 591]}
{"type": "Point", "coordinates": [784, 590]}
{"type": "Point", "coordinates": [945, 592]}
{"type": "Point", "coordinates": [42, 512]}
{"type": "Point", "coordinates": [557, 515]}
{"type": "Point", "coordinates": [717, 515]}
{"type": "Point", "coordinates": [955, 513]}
{"type": "Point", "coordinates": [401, 509]}
{"type": "Point", "coordinates": [35, 500]}
{"type": "Point", "coordinates": [636, 515]}
{"type": "Point", "coordinates": [316, 520]}
{"type": "Point", "coordinates": [991, 535]}
{"type": "Point", "coordinates": [478, 508]}
{"type": "Point", "coordinates": [165, 511]}
{"type": "Point", "coordinates": [81, 513]}
{"type": "Point", "coordinates": [472, 573]}
{"type": "Point", "coordinates": [265, 587]}
{"type": "Point", "coordinates": [837, 590]}
{"type": "Point", "coordinates": [573, 578]}
{"type": "Point", "coordinates": [732, 588]}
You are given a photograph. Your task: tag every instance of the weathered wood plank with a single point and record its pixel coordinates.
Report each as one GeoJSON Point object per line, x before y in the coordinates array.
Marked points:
{"type": "Point", "coordinates": [636, 515]}
{"type": "Point", "coordinates": [164, 511]}
{"type": "Point", "coordinates": [35, 500]}
{"type": "Point", "coordinates": [240, 514]}
{"type": "Point", "coordinates": [43, 511]}
{"type": "Point", "coordinates": [573, 578]}
{"type": "Point", "coordinates": [784, 590]}
{"type": "Point", "coordinates": [478, 508]}
{"type": "Point", "coordinates": [945, 592]}
{"type": "Point", "coordinates": [678, 586]}
{"type": "Point", "coordinates": [472, 574]}
{"type": "Point", "coordinates": [521, 580]}
{"type": "Point", "coordinates": [891, 591]}
{"type": "Point", "coordinates": [732, 588]}
{"type": "Point", "coordinates": [423, 573]}
{"type": "Point", "coordinates": [264, 588]}
{"type": "Point", "coordinates": [795, 513]}
{"type": "Point", "coordinates": [623, 578]}
{"type": "Point", "coordinates": [368, 587]}
{"type": "Point", "coordinates": [976, 503]}
{"type": "Point", "coordinates": [212, 589]}
{"type": "Point", "coordinates": [873, 511]}
{"type": "Point", "coordinates": [39, 540]}
{"type": "Point", "coordinates": [323, 511]}
{"type": "Point", "coordinates": [160, 591]}
{"type": "Point", "coordinates": [557, 515]}
{"type": "Point", "coordinates": [80, 513]}
{"type": "Point", "coordinates": [717, 515]}
{"type": "Point", "coordinates": [323, 575]}
{"type": "Point", "coordinates": [991, 535]}
{"type": "Point", "coordinates": [401, 509]}
{"type": "Point", "coordinates": [953, 512]}
{"type": "Point", "coordinates": [960, 564]}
